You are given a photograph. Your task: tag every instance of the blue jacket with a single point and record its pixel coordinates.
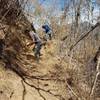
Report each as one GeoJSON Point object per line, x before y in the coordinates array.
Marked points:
{"type": "Point", "coordinates": [46, 27]}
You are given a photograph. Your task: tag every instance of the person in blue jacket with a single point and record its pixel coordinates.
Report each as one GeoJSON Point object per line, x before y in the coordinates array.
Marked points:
{"type": "Point", "coordinates": [48, 32]}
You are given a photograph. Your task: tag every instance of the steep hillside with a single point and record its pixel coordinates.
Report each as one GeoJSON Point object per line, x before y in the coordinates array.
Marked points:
{"type": "Point", "coordinates": [61, 73]}
{"type": "Point", "coordinates": [55, 77]}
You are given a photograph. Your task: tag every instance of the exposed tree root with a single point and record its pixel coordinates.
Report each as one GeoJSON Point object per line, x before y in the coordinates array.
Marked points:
{"type": "Point", "coordinates": [40, 92]}
{"type": "Point", "coordinates": [24, 90]}
{"type": "Point", "coordinates": [46, 91]}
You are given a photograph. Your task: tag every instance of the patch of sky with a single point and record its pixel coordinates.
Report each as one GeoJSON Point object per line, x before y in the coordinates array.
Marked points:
{"type": "Point", "coordinates": [57, 8]}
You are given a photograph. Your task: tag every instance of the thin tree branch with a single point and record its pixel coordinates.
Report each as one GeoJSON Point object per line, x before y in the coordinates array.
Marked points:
{"type": "Point", "coordinates": [72, 91]}
{"type": "Point", "coordinates": [96, 78]}
{"type": "Point", "coordinates": [84, 35]}
{"type": "Point", "coordinates": [94, 84]}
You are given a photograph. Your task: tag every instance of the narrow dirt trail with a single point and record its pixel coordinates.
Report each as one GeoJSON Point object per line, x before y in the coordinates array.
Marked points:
{"type": "Point", "coordinates": [47, 61]}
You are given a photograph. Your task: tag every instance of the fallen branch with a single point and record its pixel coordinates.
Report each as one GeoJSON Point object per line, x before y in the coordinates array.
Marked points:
{"type": "Point", "coordinates": [84, 35]}
{"type": "Point", "coordinates": [64, 38]}
{"type": "Point", "coordinates": [97, 74]}
{"type": "Point", "coordinates": [94, 84]}
{"type": "Point", "coordinates": [72, 91]}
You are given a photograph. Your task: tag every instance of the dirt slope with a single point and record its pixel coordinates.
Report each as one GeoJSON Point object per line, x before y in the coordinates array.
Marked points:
{"type": "Point", "coordinates": [10, 84]}
{"type": "Point", "coordinates": [61, 80]}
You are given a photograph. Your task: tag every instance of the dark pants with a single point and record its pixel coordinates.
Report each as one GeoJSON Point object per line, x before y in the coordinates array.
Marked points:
{"type": "Point", "coordinates": [48, 35]}
{"type": "Point", "coordinates": [37, 49]}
